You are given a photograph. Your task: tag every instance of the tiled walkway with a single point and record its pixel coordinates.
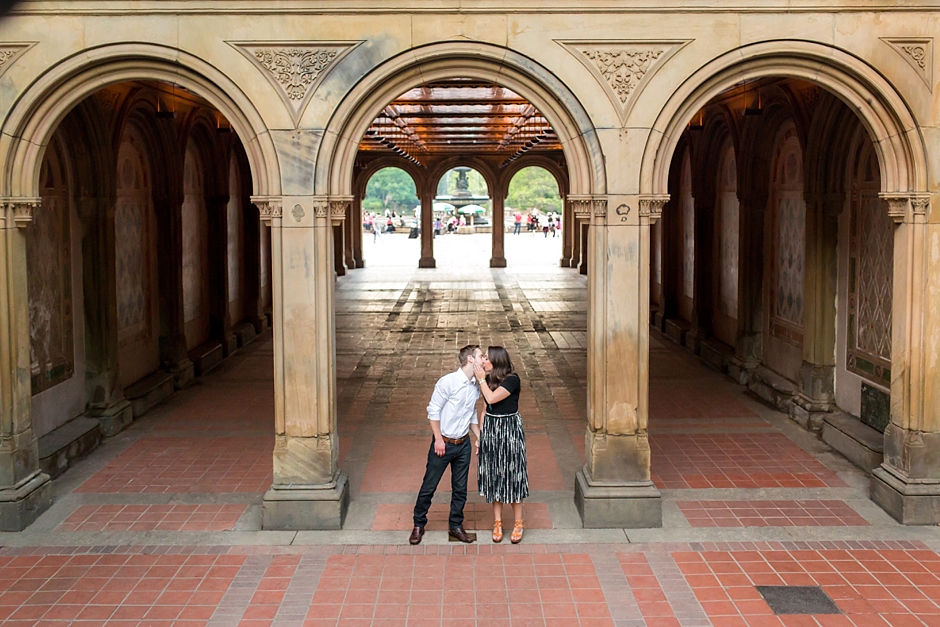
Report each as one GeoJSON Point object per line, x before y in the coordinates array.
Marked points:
{"type": "Point", "coordinates": [161, 525]}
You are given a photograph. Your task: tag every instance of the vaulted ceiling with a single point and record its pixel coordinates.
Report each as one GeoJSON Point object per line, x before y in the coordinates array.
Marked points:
{"type": "Point", "coordinates": [460, 117]}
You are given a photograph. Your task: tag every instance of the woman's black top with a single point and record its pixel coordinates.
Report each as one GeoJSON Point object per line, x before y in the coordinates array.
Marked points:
{"type": "Point", "coordinates": [510, 404]}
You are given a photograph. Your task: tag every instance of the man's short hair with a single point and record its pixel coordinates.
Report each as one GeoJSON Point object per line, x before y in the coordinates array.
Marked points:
{"type": "Point", "coordinates": [466, 352]}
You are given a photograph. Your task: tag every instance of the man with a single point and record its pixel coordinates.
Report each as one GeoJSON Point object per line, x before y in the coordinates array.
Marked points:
{"type": "Point", "coordinates": [517, 227]}
{"type": "Point", "coordinates": [452, 414]}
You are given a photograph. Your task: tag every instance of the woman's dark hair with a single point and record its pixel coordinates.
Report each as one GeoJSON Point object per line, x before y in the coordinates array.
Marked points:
{"type": "Point", "coordinates": [502, 366]}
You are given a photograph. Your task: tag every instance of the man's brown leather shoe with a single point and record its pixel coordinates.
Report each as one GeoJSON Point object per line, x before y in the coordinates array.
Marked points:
{"type": "Point", "coordinates": [416, 534]}
{"type": "Point", "coordinates": [458, 533]}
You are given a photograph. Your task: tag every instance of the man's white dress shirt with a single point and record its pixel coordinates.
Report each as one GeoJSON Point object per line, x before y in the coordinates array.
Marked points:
{"type": "Point", "coordinates": [453, 404]}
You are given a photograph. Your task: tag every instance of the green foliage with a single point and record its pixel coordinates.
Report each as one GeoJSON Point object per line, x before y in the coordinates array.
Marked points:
{"type": "Point", "coordinates": [533, 187]}
{"type": "Point", "coordinates": [390, 188]}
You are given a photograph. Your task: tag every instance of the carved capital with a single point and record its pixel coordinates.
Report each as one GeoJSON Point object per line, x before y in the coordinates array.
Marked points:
{"type": "Point", "coordinates": [339, 205]}
{"type": "Point", "coordinates": [898, 206]}
{"type": "Point", "coordinates": [651, 207]}
{"type": "Point", "coordinates": [20, 210]}
{"type": "Point", "coordinates": [321, 207]}
{"type": "Point", "coordinates": [269, 207]}
{"type": "Point", "coordinates": [581, 206]}
{"type": "Point", "coordinates": [920, 205]}
{"type": "Point", "coordinates": [599, 207]}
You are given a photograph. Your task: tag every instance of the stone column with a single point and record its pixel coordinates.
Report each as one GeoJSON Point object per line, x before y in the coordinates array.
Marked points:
{"type": "Point", "coordinates": [427, 230]}
{"type": "Point", "coordinates": [749, 347]}
{"type": "Point", "coordinates": [907, 484]}
{"type": "Point", "coordinates": [103, 389]}
{"type": "Point", "coordinates": [349, 224]}
{"type": "Point", "coordinates": [584, 247]}
{"type": "Point", "coordinates": [498, 260]}
{"type": "Point", "coordinates": [574, 231]}
{"type": "Point", "coordinates": [173, 353]}
{"type": "Point", "coordinates": [703, 274]}
{"type": "Point", "coordinates": [220, 322]}
{"type": "Point", "coordinates": [614, 488]}
{"type": "Point", "coordinates": [669, 307]}
{"type": "Point", "coordinates": [356, 229]}
{"type": "Point", "coordinates": [567, 234]}
{"type": "Point", "coordinates": [254, 305]}
{"type": "Point", "coordinates": [339, 262]}
{"type": "Point", "coordinates": [309, 491]}
{"type": "Point", "coordinates": [25, 491]}
{"type": "Point", "coordinates": [820, 287]}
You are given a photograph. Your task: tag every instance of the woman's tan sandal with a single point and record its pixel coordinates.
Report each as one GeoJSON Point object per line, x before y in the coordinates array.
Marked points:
{"type": "Point", "coordinates": [498, 531]}
{"type": "Point", "coordinates": [517, 529]}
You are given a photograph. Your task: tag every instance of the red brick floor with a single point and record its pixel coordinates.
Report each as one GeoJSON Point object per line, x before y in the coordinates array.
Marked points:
{"type": "Point", "coordinates": [806, 513]}
{"type": "Point", "coordinates": [95, 590]}
{"type": "Point", "coordinates": [399, 464]}
{"type": "Point", "coordinates": [200, 464]}
{"type": "Point", "coordinates": [739, 460]}
{"type": "Point", "coordinates": [400, 517]}
{"type": "Point", "coordinates": [153, 518]}
{"type": "Point", "coordinates": [871, 587]}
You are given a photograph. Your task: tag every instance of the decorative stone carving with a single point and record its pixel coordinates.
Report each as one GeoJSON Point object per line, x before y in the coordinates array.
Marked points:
{"type": "Point", "coordinates": [21, 209]}
{"type": "Point", "coordinates": [295, 69]}
{"type": "Point", "coordinates": [339, 205]}
{"type": "Point", "coordinates": [918, 52]}
{"type": "Point", "coordinates": [897, 206]}
{"type": "Point", "coordinates": [268, 208]}
{"type": "Point", "coordinates": [321, 208]}
{"type": "Point", "coordinates": [600, 207]}
{"type": "Point", "coordinates": [10, 52]}
{"type": "Point", "coordinates": [623, 68]}
{"type": "Point", "coordinates": [920, 205]}
{"type": "Point", "coordinates": [651, 207]}
{"type": "Point", "coordinates": [581, 206]}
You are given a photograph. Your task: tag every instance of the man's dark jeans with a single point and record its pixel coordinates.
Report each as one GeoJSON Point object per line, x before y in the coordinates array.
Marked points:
{"type": "Point", "coordinates": [457, 456]}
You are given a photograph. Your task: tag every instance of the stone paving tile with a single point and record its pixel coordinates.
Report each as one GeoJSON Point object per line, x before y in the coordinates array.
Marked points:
{"type": "Point", "coordinates": [400, 517]}
{"type": "Point", "coordinates": [803, 513]}
{"type": "Point", "coordinates": [165, 464]}
{"type": "Point", "coordinates": [740, 460]}
{"type": "Point", "coordinates": [153, 518]}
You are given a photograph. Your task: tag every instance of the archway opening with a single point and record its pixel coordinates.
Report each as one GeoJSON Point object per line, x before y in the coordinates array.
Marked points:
{"type": "Point", "coordinates": [534, 218]}
{"type": "Point", "coordinates": [391, 214]}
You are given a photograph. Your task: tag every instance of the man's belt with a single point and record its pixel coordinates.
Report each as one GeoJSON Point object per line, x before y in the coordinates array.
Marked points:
{"type": "Point", "coordinates": [455, 440]}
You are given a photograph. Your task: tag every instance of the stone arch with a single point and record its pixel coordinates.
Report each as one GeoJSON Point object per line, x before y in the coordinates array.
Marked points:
{"type": "Point", "coordinates": [535, 161]}
{"type": "Point", "coordinates": [40, 109]}
{"type": "Point", "coordinates": [472, 60]}
{"type": "Point", "coordinates": [445, 166]}
{"type": "Point", "coordinates": [885, 115]}
{"type": "Point", "coordinates": [362, 178]}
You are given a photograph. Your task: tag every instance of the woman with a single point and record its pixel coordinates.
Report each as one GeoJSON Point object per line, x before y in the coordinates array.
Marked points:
{"type": "Point", "coordinates": [502, 474]}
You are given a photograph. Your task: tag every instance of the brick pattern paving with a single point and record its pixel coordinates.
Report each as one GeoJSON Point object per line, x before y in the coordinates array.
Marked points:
{"type": "Point", "coordinates": [153, 518]}
{"type": "Point", "coordinates": [94, 589]}
{"type": "Point", "coordinates": [805, 513]}
{"type": "Point", "coordinates": [164, 464]}
{"type": "Point", "coordinates": [741, 460]}
{"type": "Point", "coordinates": [400, 517]}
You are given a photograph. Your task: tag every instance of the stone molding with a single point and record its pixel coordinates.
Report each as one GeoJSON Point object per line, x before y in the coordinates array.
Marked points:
{"type": "Point", "coordinates": [623, 68]}
{"type": "Point", "coordinates": [585, 206]}
{"type": "Point", "coordinates": [20, 210]}
{"type": "Point", "coordinates": [651, 207]}
{"type": "Point", "coordinates": [10, 52]}
{"type": "Point", "coordinates": [268, 207]}
{"type": "Point", "coordinates": [294, 68]}
{"type": "Point", "coordinates": [906, 207]}
{"type": "Point", "coordinates": [918, 52]}
{"type": "Point", "coordinates": [339, 205]}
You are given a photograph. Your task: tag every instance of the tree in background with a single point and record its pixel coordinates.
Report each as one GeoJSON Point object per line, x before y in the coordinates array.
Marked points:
{"type": "Point", "coordinates": [447, 186]}
{"type": "Point", "coordinates": [534, 187]}
{"type": "Point", "coordinates": [393, 189]}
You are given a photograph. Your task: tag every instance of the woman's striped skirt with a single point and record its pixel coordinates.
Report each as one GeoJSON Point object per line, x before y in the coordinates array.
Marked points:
{"type": "Point", "coordinates": [502, 474]}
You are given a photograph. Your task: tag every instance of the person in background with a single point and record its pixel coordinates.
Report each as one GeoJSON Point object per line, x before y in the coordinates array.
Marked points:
{"type": "Point", "coordinates": [517, 226]}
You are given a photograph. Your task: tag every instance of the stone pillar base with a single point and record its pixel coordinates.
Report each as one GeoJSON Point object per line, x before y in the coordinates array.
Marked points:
{"type": "Point", "coordinates": [184, 373]}
{"type": "Point", "coordinates": [739, 371]}
{"type": "Point", "coordinates": [360, 263]}
{"type": "Point", "coordinates": [427, 262]}
{"type": "Point", "coordinates": [113, 419]}
{"type": "Point", "coordinates": [23, 504]}
{"type": "Point", "coordinates": [628, 506]}
{"type": "Point", "coordinates": [497, 262]}
{"type": "Point", "coordinates": [564, 262]}
{"type": "Point", "coordinates": [229, 344]}
{"type": "Point", "coordinates": [306, 508]}
{"type": "Point", "coordinates": [909, 503]}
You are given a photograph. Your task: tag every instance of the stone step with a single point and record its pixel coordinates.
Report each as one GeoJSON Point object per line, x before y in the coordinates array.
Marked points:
{"type": "Point", "coordinates": [206, 356]}
{"type": "Point", "coordinates": [149, 392]}
{"type": "Point", "coordinates": [63, 446]}
{"type": "Point", "coordinates": [716, 353]}
{"type": "Point", "coordinates": [856, 441]}
{"type": "Point", "coordinates": [772, 387]}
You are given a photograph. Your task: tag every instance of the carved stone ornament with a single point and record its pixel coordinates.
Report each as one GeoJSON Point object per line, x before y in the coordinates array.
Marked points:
{"type": "Point", "coordinates": [21, 209]}
{"type": "Point", "coordinates": [338, 208]}
{"type": "Point", "coordinates": [10, 52]}
{"type": "Point", "coordinates": [581, 206]}
{"type": "Point", "coordinates": [623, 68]}
{"type": "Point", "coordinates": [898, 205]}
{"type": "Point", "coordinates": [920, 205]}
{"type": "Point", "coordinates": [268, 208]}
{"type": "Point", "coordinates": [651, 207]}
{"type": "Point", "coordinates": [918, 52]}
{"type": "Point", "coordinates": [295, 69]}
{"type": "Point", "coordinates": [599, 207]}
{"type": "Point", "coordinates": [321, 208]}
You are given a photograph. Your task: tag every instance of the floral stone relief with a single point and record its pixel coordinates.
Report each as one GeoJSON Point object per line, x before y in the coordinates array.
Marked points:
{"type": "Point", "coordinates": [295, 69]}
{"type": "Point", "coordinates": [623, 67]}
{"type": "Point", "coordinates": [918, 53]}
